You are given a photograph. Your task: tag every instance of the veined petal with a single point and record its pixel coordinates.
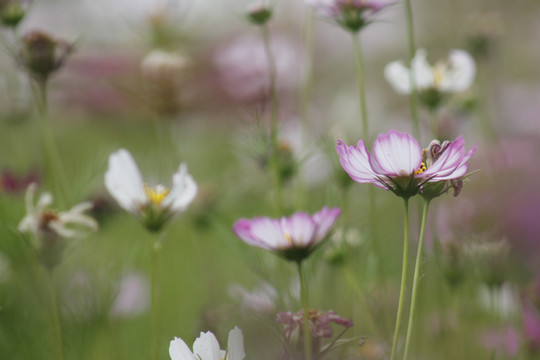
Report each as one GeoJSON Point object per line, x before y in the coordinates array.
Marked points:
{"type": "Point", "coordinates": [124, 181]}
{"type": "Point", "coordinates": [206, 347]}
{"type": "Point", "coordinates": [396, 154]}
{"type": "Point", "coordinates": [324, 219]}
{"type": "Point", "coordinates": [460, 73]}
{"type": "Point", "coordinates": [300, 229]}
{"type": "Point", "coordinates": [459, 171]}
{"type": "Point", "coordinates": [178, 350]}
{"type": "Point", "coordinates": [355, 161]}
{"type": "Point", "coordinates": [399, 76]}
{"type": "Point", "coordinates": [235, 345]}
{"type": "Point", "coordinates": [422, 71]}
{"type": "Point", "coordinates": [183, 191]}
{"type": "Point", "coordinates": [448, 160]}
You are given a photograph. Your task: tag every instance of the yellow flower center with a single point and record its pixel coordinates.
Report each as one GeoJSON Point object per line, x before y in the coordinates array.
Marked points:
{"type": "Point", "coordinates": [156, 194]}
{"type": "Point", "coordinates": [421, 169]}
{"type": "Point", "coordinates": [288, 238]}
{"type": "Point", "coordinates": [438, 75]}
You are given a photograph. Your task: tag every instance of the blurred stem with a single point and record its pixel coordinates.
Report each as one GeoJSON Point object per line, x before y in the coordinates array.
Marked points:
{"type": "Point", "coordinates": [54, 168]}
{"type": "Point", "coordinates": [274, 118]}
{"type": "Point", "coordinates": [361, 78]}
{"type": "Point", "coordinates": [416, 279]}
{"type": "Point", "coordinates": [412, 50]}
{"type": "Point", "coordinates": [403, 276]}
{"type": "Point", "coordinates": [483, 109]}
{"type": "Point", "coordinates": [373, 227]}
{"type": "Point", "coordinates": [309, 41]}
{"type": "Point", "coordinates": [305, 306]}
{"type": "Point", "coordinates": [434, 122]}
{"type": "Point", "coordinates": [154, 248]}
{"type": "Point", "coordinates": [55, 315]}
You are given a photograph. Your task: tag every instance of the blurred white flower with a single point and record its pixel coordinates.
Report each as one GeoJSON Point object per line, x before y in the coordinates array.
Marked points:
{"type": "Point", "coordinates": [452, 75]}
{"type": "Point", "coordinates": [152, 205]}
{"type": "Point", "coordinates": [206, 347]}
{"type": "Point", "coordinates": [43, 222]}
{"type": "Point", "coordinates": [502, 301]}
{"type": "Point", "coordinates": [133, 296]}
{"type": "Point", "coordinates": [163, 65]}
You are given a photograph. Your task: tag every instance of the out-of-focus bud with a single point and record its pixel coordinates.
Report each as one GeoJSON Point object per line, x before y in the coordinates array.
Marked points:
{"type": "Point", "coordinates": [162, 71]}
{"type": "Point", "coordinates": [259, 14]}
{"type": "Point", "coordinates": [12, 12]}
{"type": "Point", "coordinates": [483, 32]}
{"type": "Point", "coordinates": [41, 54]}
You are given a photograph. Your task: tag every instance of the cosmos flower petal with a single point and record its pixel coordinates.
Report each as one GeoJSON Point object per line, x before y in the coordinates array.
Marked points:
{"type": "Point", "coordinates": [324, 219]}
{"type": "Point", "coordinates": [460, 72]}
{"type": "Point", "coordinates": [396, 153]}
{"type": "Point", "coordinates": [124, 181]}
{"type": "Point", "coordinates": [399, 77]}
{"type": "Point", "coordinates": [299, 227]}
{"type": "Point", "coordinates": [206, 347]}
{"type": "Point", "coordinates": [422, 70]}
{"type": "Point", "coordinates": [183, 191]}
{"type": "Point", "coordinates": [235, 345]}
{"type": "Point", "coordinates": [355, 161]}
{"type": "Point", "coordinates": [178, 350]}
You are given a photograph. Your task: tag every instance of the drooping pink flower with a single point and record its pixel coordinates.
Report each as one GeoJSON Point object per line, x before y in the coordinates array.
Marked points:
{"type": "Point", "coordinates": [293, 237]}
{"type": "Point", "coordinates": [352, 15]}
{"type": "Point", "coordinates": [399, 164]}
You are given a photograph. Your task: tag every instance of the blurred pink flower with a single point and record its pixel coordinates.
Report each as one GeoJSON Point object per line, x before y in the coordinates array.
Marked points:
{"type": "Point", "coordinates": [133, 296]}
{"type": "Point", "coordinates": [293, 238]}
{"type": "Point", "coordinates": [505, 342]}
{"type": "Point", "coordinates": [262, 299]}
{"type": "Point", "coordinates": [243, 67]}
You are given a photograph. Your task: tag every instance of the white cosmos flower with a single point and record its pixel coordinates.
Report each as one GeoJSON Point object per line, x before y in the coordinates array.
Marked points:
{"type": "Point", "coordinates": [43, 222]}
{"type": "Point", "coordinates": [453, 75]}
{"type": "Point", "coordinates": [153, 205]}
{"type": "Point", "coordinates": [206, 347]}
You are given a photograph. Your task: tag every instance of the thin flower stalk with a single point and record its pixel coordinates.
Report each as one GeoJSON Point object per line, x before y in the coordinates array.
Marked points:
{"type": "Point", "coordinates": [416, 279]}
{"type": "Point", "coordinates": [304, 299]}
{"type": "Point", "coordinates": [411, 51]}
{"type": "Point", "coordinates": [360, 75]}
{"type": "Point", "coordinates": [307, 89]}
{"type": "Point", "coordinates": [154, 274]}
{"type": "Point", "coordinates": [401, 302]}
{"type": "Point", "coordinates": [56, 317]}
{"type": "Point", "coordinates": [274, 122]}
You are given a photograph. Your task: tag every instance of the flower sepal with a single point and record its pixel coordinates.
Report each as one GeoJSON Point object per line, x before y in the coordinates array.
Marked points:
{"type": "Point", "coordinates": [259, 14]}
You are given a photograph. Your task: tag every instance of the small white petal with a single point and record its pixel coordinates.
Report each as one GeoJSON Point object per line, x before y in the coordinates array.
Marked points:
{"type": "Point", "coordinates": [399, 77]}
{"type": "Point", "coordinates": [206, 347]}
{"type": "Point", "coordinates": [124, 181]}
{"type": "Point", "coordinates": [460, 73]}
{"type": "Point", "coordinates": [61, 230]}
{"type": "Point", "coordinates": [178, 350]}
{"type": "Point", "coordinates": [45, 200]}
{"type": "Point", "coordinates": [183, 191]}
{"type": "Point", "coordinates": [235, 345]}
{"type": "Point", "coordinates": [423, 71]}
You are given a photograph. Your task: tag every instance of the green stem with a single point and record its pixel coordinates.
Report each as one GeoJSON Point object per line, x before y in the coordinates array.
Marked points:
{"type": "Point", "coordinates": [56, 316]}
{"type": "Point", "coordinates": [403, 276]}
{"type": "Point", "coordinates": [434, 122]}
{"type": "Point", "coordinates": [305, 306]}
{"type": "Point", "coordinates": [412, 50]}
{"type": "Point", "coordinates": [154, 246]}
{"type": "Point", "coordinates": [361, 78]}
{"type": "Point", "coordinates": [274, 118]}
{"type": "Point", "coordinates": [416, 278]}
{"type": "Point", "coordinates": [307, 89]}
{"type": "Point", "coordinates": [54, 168]}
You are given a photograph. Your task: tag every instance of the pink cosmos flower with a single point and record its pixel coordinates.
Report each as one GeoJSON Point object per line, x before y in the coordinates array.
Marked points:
{"type": "Point", "coordinates": [353, 15]}
{"type": "Point", "coordinates": [399, 164]}
{"type": "Point", "coordinates": [293, 237]}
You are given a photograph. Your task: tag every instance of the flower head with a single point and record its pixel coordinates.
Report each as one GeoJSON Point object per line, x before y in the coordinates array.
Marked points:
{"type": "Point", "coordinates": [399, 164]}
{"type": "Point", "coordinates": [293, 237]}
{"type": "Point", "coordinates": [433, 83]}
{"type": "Point", "coordinates": [206, 347]}
{"type": "Point", "coordinates": [259, 13]}
{"type": "Point", "coordinates": [12, 12]}
{"type": "Point", "coordinates": [49, 228]}
{"type": "Point", "coordinates": [352, 15]}
{"type": "Point", "coordinates": [153, 205]}
{"type": "Point", "coordinates": [41, 54]}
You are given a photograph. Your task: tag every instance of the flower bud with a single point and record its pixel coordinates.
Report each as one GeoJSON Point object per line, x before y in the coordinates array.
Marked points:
{"type": "Point", "coordinates": [41, 54]}
{"type": "Point", "coordinates": [12, 12]}
{"type": "Point", "coordinates": [259, 14]}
